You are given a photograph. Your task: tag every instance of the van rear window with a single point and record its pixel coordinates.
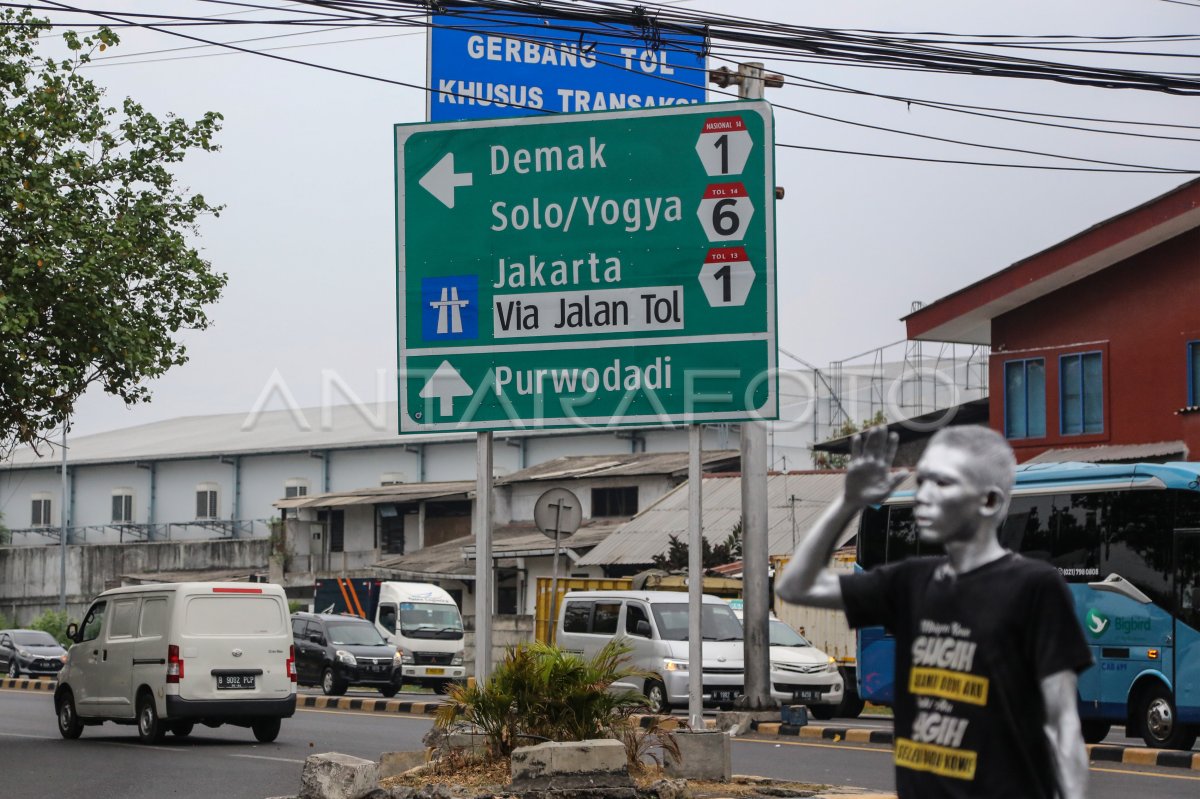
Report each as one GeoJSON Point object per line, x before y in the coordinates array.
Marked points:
{"type": "Point", "coordinates": [234, 614]}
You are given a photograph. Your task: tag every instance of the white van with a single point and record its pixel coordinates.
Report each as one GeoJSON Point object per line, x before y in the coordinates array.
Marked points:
{"type": "Point", "coordinates": [655, 625]}
{"type": "Point", "coordinates": [166, 656]}
{"type": "Point", "coordinates": [424, 624]}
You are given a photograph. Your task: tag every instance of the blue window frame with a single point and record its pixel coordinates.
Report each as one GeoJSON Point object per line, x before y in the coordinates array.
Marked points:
{"type": "Point", "coordinates": [1025, 398]}
{"type": "Point", "coordinates": [1193, 357]}
{"type": "Point", "coordinates": [1081, 393]}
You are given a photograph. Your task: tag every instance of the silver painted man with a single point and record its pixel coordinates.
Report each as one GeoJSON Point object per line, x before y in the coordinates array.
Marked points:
{"type": "Point", "coordinates": [988, 649]}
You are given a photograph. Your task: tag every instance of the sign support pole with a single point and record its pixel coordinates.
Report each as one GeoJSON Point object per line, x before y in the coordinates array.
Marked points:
{"type": "Point", "coordinates": [755, 557]}
{"type": "Point", "coordinates": [483, 556]}
{"type": "Point", "coordinates": [62, 532]}
{"type": "Point", "coordinates": [695, 581]}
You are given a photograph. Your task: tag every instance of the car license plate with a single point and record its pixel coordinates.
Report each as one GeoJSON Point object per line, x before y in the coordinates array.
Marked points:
{"type": "Point", "coordinates": [235, 681]}
{"type": "Point", "coordinates": [808, 696]}
{"type": "Point", "coordinates": [435, 671]}
{"type": "Point", "coordinates": [723, 696]}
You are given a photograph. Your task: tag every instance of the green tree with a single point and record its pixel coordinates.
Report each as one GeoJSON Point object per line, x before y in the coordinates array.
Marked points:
{"type": "Point", "coordinates": [53, 622]}
{"type": "Point", "coordinates": [827, 460]}
{"type": "Point", "coordinates": [676, 557]}
{"type": "Point", "coordinates": [96, 273]}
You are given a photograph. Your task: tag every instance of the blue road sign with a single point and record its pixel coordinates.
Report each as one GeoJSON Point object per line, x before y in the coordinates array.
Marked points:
{"type": "Point", "coordinates": [485, 64]}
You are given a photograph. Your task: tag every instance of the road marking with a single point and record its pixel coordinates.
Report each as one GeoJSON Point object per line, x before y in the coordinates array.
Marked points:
{"type": "Point", "coordinates": [264, 757]}
{"type": "Point", "coordinates": [1145, 774]}
{"type": "Point", "coordinates": [24, 735]}
{"type": "Point", "coordinates": [885, 750]}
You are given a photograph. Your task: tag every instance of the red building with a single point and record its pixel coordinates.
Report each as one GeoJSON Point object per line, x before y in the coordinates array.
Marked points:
{"type": "Point", "coordinates": [1095, 342]}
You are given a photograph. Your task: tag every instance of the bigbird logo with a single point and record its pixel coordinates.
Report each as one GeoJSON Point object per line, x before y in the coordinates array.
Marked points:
{"type": "Point", "coordinates": [1096, 623]}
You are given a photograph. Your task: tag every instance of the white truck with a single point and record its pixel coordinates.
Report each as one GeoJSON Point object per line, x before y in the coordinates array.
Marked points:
{"type": "Point", "coordinates": [827, 630]}
{"type": "Point", "coordinates": [420, 619]}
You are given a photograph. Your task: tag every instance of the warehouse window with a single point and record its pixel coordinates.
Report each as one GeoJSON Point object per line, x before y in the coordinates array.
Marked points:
{"type": "Point", "coordinates": [295, 487]}
{"type": "Point", "coordinates": [621, 501]}
{"type": "Point", "coordinates": [122, 505]}
{"type": "Point", "coordinates": [206, 501]}
{"type": "Point", "coordinates": [41, 513]}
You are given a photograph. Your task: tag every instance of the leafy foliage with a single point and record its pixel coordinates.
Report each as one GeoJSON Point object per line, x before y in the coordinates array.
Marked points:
{"type": "Point", "coordinates": [96, 273]}
{"type": "Point", "coordinates": [828, 460]}
{"type": "Point", "coordinates": [540, 693]}
{"type": "Point", "coordinates": [676, 556]}
{"type": "Point", "coordinates": [53, 622]}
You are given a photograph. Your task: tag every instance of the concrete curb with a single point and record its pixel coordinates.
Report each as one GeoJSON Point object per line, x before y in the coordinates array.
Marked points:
{"type": "Point", "coordinates": [367, 705]}
{"type": "Point", "coordinates": [1097, 753]}
{"type": "Point", "coordinates": [29, 684]}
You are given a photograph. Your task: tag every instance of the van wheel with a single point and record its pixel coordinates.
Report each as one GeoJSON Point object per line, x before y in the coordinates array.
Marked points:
{"type": "Point", "coordinates": [1159, 722]}
{"type": "Point", "coordinates": [331, 685]}
{"type": "Point", "coordinates": [656, 692]}
{"type": "Point", "coordinates": [150, 728]}
{"type": "Point", "coordinates": [389, 690]}
{"type": "Point", "coordinates": [822, 712]}
{"type": "Point", "coordinates": [1095, 731]}
{"type": "Point", "coordinates": [69, 725]}
{"type": "Point", "coordinates": [266, 730]}
{"type": "Point", "coordinates": [182, 729]}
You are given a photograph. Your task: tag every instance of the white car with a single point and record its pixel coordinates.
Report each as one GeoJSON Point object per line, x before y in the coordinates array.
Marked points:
{"type": "Point", "coordinates": [801, 674]}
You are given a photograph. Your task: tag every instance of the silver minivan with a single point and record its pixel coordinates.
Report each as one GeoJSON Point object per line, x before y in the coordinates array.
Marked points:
{"type": "Point", "coordinates": [168, 656]}
{"type": "Point", "coordinates": [655, 625]}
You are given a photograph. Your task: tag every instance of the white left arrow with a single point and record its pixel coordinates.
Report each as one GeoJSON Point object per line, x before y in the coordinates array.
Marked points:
{"type": "Point", "coordinates": [444, 385]}
{"type": "Point", "coordinates": [442, 180]}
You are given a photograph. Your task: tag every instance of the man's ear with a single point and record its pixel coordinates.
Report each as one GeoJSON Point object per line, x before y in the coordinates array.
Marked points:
{"type": "Point", "coordinates": [993, 503]}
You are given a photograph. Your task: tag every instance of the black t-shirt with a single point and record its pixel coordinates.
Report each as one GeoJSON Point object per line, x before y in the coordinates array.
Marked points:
{"type": "Point", "coordinates": [971, 651]}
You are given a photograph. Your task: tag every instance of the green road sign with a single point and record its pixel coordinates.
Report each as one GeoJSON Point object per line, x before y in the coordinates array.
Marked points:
{"type": "Point", "coordinates": [587, 269]}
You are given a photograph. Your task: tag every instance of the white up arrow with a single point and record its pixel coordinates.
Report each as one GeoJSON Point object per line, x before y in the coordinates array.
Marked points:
{"type": "Point", "coordinates": [444, 385]}
{"type": "Point", "coordinates": [442, 180]}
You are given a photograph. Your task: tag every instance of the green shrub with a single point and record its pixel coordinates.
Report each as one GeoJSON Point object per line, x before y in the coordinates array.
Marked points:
{"type": "Point", "coordinates": [297, 605]}
{"type": "Point", "coordinates": [53, 622]}
{"type": "Point", "coordinates": [4, 622]}
{"type": "Point", "coordinates": [540, 693]}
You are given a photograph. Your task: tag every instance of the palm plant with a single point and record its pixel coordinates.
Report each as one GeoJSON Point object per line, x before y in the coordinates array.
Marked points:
{"type": "Point", "coordinates": [538, 692]}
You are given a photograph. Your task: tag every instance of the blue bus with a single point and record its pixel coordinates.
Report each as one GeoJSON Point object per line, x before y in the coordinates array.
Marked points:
{"type": "Point", "coordinates": [1127, 539]}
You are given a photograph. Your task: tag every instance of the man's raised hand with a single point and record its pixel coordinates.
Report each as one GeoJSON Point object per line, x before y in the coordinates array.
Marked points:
{"type": "Point", "coordinates": [869, 479]}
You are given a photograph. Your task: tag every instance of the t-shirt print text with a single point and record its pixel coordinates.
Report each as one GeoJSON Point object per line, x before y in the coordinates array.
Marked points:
{"type": "Point", "coordinates": [943, 656]}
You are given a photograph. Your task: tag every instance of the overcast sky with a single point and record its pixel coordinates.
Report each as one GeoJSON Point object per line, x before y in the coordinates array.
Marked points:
{"type": "Point", "coordinates": [306, 175]}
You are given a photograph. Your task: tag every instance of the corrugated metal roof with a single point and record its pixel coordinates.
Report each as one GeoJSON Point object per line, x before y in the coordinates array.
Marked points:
{"type": "Point", "coordinates": [454, 559]}
{"type": "Point", "coordinates": [575, 467]}
{"type": "Point", "coordinates": [647, 535]}
{"type": "Point", "coordinates": [1114, 453]}
{"type": "Point", "coordinates": [296, 430]}
{"type": "Point", "coordinates": [404, 492]}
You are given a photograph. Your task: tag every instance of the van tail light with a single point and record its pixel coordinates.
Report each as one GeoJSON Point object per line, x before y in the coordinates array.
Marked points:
{"type": "Point", "coordinates": [174, 664]}
{"type": "Point", "coordinates": [291, 664]}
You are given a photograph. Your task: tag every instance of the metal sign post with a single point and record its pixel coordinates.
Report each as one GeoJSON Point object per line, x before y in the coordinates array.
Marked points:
{"type": "Point", "coordinates": [695, 581]}
{"type": "Point", "coordinates": [484, 582]}
{"type": "Point", "coordinates": [557, 513]}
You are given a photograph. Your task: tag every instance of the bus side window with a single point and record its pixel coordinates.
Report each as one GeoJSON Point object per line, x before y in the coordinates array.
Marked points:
{"type": "Point", "coordinates": [872, 536]}
{"type": "Point", "coordinates": [1027, 528]}
{"type": "Point", "coordinates": [902, 534]}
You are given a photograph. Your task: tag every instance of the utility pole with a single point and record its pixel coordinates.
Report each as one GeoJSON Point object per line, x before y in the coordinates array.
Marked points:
{"type": "Point", "coordinates": [756, 598]}
{"type": "Point", "coordinates": [62, 529]}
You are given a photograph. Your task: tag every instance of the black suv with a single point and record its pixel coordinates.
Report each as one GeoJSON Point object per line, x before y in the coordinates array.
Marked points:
{"type": "Point", "coordinates": [335, 651]}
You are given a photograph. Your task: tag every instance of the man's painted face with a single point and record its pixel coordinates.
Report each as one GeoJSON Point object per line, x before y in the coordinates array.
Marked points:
{"type": "Point", "coordinates": [948, 505]}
